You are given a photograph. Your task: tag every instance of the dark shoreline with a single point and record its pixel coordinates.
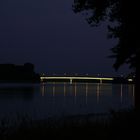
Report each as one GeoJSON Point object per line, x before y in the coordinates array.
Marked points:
{"type": "Point", "coordinates": [119, 125]}
{"type": "Point", "coordinates": [11, 73]}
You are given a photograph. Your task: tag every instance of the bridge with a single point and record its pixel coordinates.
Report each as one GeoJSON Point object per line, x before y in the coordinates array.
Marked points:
{"type": "Point", "coordinates": [72, 78]}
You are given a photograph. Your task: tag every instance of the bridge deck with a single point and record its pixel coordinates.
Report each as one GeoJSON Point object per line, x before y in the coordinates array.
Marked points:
{"type": "Point", "coordinates": [72, 78]}
{"type": "Point", "coordinates": [69, 77]}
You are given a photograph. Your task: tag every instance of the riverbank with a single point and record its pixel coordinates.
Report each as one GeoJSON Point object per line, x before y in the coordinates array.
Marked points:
{"type": "Point", "coordinates": [118, 125]}
{"type": "Point", "coordinates": [11, 73]}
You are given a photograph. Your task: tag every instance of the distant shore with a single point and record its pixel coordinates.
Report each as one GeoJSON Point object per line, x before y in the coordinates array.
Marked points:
{"type": "Point", "coordinates": [11, 73]}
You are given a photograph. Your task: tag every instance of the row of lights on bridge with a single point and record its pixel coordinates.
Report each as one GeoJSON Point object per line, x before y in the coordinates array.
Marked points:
{"type": "Point", "coordinates": [75, 74]}
{"type": "Point", "coordinates": [43, 74]}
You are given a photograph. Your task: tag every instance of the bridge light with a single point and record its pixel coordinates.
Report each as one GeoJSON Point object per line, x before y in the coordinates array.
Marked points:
{"type": "Point", "coordinates": [130, 80]}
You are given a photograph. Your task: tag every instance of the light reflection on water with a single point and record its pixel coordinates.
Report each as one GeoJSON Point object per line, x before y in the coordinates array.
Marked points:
{"type": "Point", "coordinates": [44, 100]}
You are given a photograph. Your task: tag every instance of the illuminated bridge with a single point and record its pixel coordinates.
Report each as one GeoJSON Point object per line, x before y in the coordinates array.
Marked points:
{"type": "Point", "coordinates": [77, 78]}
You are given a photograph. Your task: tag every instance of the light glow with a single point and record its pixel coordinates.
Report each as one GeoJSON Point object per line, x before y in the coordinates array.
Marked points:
{"type": "Point", "coordinates": [130, 80]}
{"type": "Point", "coordinates": [71, 78]}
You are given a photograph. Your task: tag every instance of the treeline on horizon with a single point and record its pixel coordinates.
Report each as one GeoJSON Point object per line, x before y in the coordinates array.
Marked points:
{"type": "Point", "coordinates": [18, 73]}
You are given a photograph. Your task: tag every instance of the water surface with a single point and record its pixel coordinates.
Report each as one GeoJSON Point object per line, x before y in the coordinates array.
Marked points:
{"type": "Point", "coordinates": [44, 100]}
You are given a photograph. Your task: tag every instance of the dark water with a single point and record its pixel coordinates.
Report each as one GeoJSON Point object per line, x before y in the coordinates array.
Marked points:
{"type": "Point", "coordinates": [40, 101]}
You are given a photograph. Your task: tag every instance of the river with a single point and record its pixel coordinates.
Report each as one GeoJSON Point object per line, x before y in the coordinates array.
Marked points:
{"type": "Point", "coordinates": [43, 100]}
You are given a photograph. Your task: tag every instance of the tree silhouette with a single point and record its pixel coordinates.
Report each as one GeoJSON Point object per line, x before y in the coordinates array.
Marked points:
{"type": "Point", "coordinates": [123, 24]}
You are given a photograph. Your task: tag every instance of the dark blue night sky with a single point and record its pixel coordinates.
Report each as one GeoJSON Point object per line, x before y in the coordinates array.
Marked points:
{"type": "Point", "coordinates": [50, 35]}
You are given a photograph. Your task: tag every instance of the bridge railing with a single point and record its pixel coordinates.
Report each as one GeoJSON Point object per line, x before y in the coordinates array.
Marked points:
{"type": "Point", "coordinates": [71, 78]}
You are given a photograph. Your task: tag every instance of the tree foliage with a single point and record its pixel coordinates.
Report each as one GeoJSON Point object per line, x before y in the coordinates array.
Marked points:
{"type": "Point", "coordinates": [126, 28]}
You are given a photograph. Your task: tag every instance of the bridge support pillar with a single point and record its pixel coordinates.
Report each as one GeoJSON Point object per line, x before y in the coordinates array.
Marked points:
{"type": "Point", "coordinates": [101, 81]}
{"type": "Point", "coordinates": [70, 81]}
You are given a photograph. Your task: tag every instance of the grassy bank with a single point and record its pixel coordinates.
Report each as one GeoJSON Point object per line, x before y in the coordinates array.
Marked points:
{"type": "Point", "coordinates": [118, 125]}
